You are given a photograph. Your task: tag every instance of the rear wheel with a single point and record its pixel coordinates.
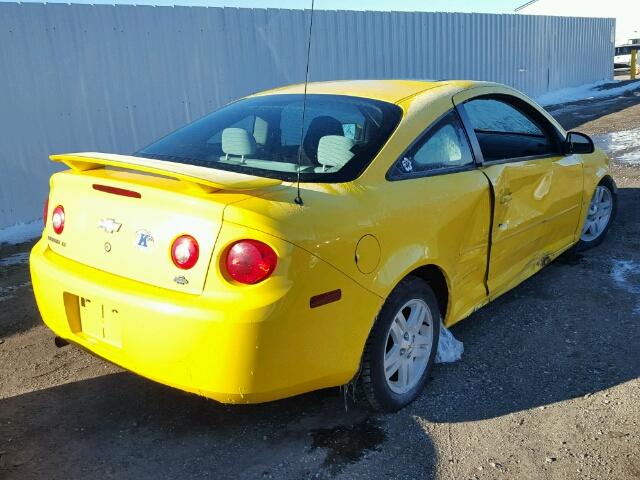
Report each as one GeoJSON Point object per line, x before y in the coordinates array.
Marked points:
{"type": "Point", "coordinates": [602, 209]}
{"type": "Point", "coordinates": [402, 346]}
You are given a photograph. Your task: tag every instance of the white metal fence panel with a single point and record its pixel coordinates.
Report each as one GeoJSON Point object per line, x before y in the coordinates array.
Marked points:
{"type": "Point", "coordinates": [113, 78]}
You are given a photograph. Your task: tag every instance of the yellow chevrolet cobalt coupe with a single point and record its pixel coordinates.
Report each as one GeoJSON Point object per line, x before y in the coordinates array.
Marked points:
{"type": "Point", "coordinates": [197, 263]}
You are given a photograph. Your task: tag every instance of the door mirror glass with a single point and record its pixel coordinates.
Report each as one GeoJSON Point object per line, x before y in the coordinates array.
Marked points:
{"type": "Point", "coordinates": [578, 143]}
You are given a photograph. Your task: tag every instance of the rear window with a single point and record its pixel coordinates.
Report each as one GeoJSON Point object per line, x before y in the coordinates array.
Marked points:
{"type": "Point", "coordinates": [261, 136]}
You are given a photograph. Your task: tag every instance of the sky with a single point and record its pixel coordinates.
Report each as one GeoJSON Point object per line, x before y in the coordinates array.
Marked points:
{"type": "Point", "coordinates": [486, 6]}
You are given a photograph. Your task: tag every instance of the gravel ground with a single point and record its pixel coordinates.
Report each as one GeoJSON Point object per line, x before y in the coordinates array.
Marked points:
{"type": "Point", "coordinates": [548, 386]}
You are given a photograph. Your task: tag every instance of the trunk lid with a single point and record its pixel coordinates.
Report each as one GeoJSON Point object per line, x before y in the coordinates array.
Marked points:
{"type": "Point", "coordinates": [122, 214]}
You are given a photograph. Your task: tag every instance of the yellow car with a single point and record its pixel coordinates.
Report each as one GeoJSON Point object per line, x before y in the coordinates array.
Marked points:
{"type": "Point", "coordinates": [245, 260]}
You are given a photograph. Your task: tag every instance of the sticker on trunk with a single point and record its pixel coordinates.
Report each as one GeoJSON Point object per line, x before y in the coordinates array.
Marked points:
{"type": "Point", "coordinates": [144, 240]}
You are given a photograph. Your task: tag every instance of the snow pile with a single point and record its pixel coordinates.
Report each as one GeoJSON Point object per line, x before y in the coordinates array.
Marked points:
{"type": "Point", "coordinates": [586, 92]}
{"type": "Point", "coordinates": [622, 146]}
{"type": "Point", "coordinates": [21, 232]}
{"type": "Point", "coordinates": [626, 274]}
{"type": "Point", "coordinates": [450, 349]}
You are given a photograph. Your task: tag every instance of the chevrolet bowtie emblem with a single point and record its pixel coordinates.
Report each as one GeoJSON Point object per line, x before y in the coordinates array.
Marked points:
{"type": "Point", "coordinates": [109, 225]}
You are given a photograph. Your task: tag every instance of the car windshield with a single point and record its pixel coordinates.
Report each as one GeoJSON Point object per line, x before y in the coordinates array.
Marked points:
{"type": "Point", "coordinates": [261, 136]}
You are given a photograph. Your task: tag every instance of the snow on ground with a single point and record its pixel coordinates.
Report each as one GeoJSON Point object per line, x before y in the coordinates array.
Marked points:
{"type": "Point", "coordinates": [623, 146]}
{"type": "Point", "coordinates": [626, 274]}
{"type": "Point", "coordinates": [21, 232]}
{"type": "Point", "coordinates": [590, 91]}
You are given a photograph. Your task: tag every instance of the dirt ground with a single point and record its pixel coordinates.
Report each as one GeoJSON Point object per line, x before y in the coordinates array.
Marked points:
{"type": "Point", "coordinates": [548, 386]}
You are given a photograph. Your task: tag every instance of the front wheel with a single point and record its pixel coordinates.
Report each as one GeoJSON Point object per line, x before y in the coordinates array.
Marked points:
{"type": "Point", "coordinates": [600, 216]}
{"type": "Point", "coordinates": [402, 346]}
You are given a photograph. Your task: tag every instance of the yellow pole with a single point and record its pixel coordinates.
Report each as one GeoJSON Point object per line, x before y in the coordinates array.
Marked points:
{"type": "Point", "coordinates": [634, 63]}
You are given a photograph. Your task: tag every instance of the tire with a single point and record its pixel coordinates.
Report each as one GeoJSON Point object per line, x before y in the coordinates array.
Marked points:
{"type": "Point", "coordinates": [410, 345]}
{"type": "Point", "coordinates": [596, 224]}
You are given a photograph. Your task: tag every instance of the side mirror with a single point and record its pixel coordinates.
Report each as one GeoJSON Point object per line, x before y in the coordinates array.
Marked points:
{"type": "Point", "coordinates": [577, 142]}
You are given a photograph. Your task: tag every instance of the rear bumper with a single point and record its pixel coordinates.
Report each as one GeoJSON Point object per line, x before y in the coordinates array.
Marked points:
{"type": "Point", "coordinates": [268, 346]}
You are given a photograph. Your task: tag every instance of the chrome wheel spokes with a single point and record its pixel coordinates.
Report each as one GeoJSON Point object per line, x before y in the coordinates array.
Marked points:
{"type": "Point", "coordinates": [408, 346]}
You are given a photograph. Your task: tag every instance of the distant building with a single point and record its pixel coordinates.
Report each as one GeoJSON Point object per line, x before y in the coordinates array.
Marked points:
{"type": "Point", "coordinates": [626, 13]}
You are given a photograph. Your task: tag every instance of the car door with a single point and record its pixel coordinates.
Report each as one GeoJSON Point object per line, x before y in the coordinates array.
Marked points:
{"type": "Point", "coordinates": [537, 189]}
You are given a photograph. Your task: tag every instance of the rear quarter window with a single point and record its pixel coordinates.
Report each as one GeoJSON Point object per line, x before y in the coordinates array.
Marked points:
{"type": "Point", "coordinates": [443, 148]}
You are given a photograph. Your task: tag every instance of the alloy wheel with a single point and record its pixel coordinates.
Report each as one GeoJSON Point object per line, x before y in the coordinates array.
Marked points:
{"type": "Point", "coordinates": [599, 214]}
{"type": "Point", "coordinates": [408, 346]}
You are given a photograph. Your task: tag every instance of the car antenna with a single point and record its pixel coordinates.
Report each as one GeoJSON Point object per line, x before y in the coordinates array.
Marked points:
{"type": "Point", "coordinates": [298, 198]}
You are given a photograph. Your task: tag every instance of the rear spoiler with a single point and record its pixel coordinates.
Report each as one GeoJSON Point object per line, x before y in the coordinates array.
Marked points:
{"type": "Point", "coordinates": [201, 179]}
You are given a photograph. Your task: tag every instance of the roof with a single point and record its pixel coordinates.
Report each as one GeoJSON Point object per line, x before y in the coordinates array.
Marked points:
{"type": "Point", "coordinates": [392, 91]}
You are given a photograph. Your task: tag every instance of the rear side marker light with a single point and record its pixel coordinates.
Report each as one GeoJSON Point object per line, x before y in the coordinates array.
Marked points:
{"type": "Point", "coordinates": [250, 261]}
{"type": "Point", "coordinates": [57, 219]}
{"type": "Point", "coordinates": [324, 298]}
{"type": "Point", "coordinates": [116, 191]}
{"type": "Point", "coordinates": [185, 252]}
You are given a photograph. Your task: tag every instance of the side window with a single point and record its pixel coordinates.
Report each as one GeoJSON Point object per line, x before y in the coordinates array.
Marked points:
{"type": "Point", "coordinates": [497, 116]}
{"type": "Point", "coordinates": [444, 146]}
{"type": "Point", "coordinates": [505, 131]}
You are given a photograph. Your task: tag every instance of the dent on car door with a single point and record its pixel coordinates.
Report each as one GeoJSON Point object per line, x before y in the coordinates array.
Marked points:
{"type": "Point", "coordinates": [441, 203]}
{"type": "Point", "coordinates": [537, 189]}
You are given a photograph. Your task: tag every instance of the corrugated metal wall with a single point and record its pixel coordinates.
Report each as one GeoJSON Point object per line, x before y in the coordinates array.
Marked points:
{"type": "Point", "coordinates": [114, 78]}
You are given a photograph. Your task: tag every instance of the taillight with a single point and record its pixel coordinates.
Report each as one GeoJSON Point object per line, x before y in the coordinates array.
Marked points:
{"type": "Point", "coordinates": [57, 219]}
{"type": "Point", "coordinates": [45, 212]}
{"type": "Point", "coordinates": [250, 261]}
{"type": "Point", "coordinates": [185, 252]}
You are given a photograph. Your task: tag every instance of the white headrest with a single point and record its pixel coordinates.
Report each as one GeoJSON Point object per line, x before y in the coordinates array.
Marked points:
{"type": "Point", "coordinates": [237, 141]}
{"type": "Point", "coordinates": [260, 130]}
{"type": "Point", "coordinates": [335, 151]}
